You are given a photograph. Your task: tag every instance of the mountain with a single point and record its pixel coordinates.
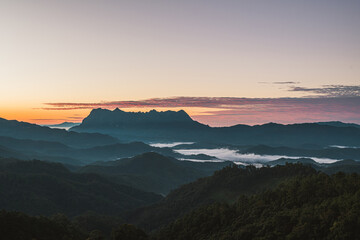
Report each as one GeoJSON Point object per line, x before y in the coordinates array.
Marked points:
{"type": "Point", "coordinates": [120, 119]}
{"type": "Point", "coordinates": [23, 130]}
{"type": "Point", "coordinates": [314, 206]}
{"type": "Point", "coordinates": [10, 153]}
{"type": "Point", "coordinates": [154, 172]}
{"type": "Point", "coordinates": [173, 126]}
{"type": "Point", "coordinates": [295, 134]}
{"type": "Point", "coordinates": [339, 124]}
{"type": "Point", "coordinates": [345, 166]}
{"type": "Point", "coordinates": [26, 149]}
{"type": "Point", "coordinates": [141, 126]}
{"type": "Point", "coordinates": [37, 187]}
{"type": "Point", "coordinates": [224, 186]}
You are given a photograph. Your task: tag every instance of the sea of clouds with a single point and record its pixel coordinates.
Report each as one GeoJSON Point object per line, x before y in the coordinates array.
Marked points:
{"type": "Point", "coordinates": [226, 154]}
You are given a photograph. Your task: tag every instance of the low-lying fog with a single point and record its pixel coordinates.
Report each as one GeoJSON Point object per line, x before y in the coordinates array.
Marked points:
{"type": "Point", "coordinates": [232, 155]}
{"type": "Point", "coordinates": [337, 146]}
{"type": "Point", "coordinates": [161, 145]}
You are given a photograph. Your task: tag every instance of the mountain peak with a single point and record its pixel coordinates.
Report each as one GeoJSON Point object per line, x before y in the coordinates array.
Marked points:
{"type": "Point", "coordinates": [118, 118]}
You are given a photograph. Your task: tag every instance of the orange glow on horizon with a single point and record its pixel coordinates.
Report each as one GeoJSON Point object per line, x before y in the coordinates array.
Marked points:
{"type": "Point", "coordinates": [40, 116]}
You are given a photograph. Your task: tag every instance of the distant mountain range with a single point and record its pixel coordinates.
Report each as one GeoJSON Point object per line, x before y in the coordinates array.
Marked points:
{"type": "Point", "coordinates": [178, 126]}
{"type": "Point", "coordinates": [339, 124]}
{"type": "Point", "coordinates": [27, 149]}
{"type": "Point", "coordinates": [23, 130]}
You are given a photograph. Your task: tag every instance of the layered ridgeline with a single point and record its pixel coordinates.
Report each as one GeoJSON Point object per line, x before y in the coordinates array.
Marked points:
{"type": "Point", "coordinates": [30, 141]}
{"type": "Point", "coordinates": [37, 187]}
{"type": "Point", "coordinates": [28, 149]}
{"type": "Point", "coordinates": [153, 172]}
{"type": "Point", "coordinates": [23, 130]}
{"type": "Point", "coordinates": [149, 172]}
{"type": "Point", "coordinates": [178, 126]}
{"type": "Point", "coordinates": [224, 186]}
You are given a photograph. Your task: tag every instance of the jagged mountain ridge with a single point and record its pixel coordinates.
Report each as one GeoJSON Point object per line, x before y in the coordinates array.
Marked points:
{"type": "Point", "coordinates": [118, 118]}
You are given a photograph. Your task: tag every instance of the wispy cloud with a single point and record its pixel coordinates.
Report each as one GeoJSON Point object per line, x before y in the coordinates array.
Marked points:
{"type": "Point", "coordinates": [206, 102]}
{"type": "Point", "coordinates": [220, 111]}
{"type": "Point", "coordinates": [282, 82]}
{"type": "Point", "coordinates": [173, 102]}
{"type": "Point", "coordinates": [331, 90]}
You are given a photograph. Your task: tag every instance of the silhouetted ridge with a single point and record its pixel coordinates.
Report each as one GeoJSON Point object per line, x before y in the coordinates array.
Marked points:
{"type": "Point", "coordinates": [119, 118]}
{"type": "Point", "coordinates": [24, 130]}
{"type": "Point", "coordinates": [141, 126]}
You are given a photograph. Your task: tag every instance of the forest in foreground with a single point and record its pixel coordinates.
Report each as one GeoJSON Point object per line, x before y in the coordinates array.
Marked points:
{"type": "Point", "coordinates": [297, 202]}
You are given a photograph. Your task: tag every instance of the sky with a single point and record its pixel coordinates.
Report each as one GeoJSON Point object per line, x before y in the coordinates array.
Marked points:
{"type": "Point", "coordinates": [224, 62]}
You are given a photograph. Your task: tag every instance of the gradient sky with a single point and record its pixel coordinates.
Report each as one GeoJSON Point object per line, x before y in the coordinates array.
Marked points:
{"type": "Point", "coordinates": [96, 52]}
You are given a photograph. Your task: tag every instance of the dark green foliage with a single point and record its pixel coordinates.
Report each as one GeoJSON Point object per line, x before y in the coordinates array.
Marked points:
{"type": "Point", "coordinates": [282, 202]}
{"type": "Point", "coordinates": [18, 226]}
{"type": "Point", "coordinates": [224, 186]}
{"type": "Point", "coordinates": [128, 232]}
{"type": "Point", "coordinates": [96, 235]}
{"type": "Point", "coordinates": [316, 206]}
{"type": "Point", "coordinates": [37, 187]}
{"type": "Point", "coordinates": [98, 224]}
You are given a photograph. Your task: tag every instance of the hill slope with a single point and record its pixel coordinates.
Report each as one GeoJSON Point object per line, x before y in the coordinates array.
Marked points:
{"type": "Point", "coordinates": [316, 206]}
{"type": "Point", "coordinates": [37, 187]}
{"type": "Point", "coordinates": [154, 172]}
{"type": "Point", "coordinates": [225, 185]}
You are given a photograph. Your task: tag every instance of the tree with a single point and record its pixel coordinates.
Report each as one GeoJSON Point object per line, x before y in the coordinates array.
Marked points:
{"type": "Point", "coordinates": [128, 232]}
